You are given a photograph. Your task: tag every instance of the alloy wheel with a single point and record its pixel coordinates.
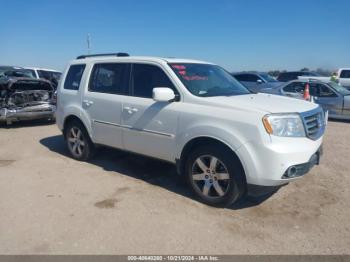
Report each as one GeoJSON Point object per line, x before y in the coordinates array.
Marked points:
{"type": "Point", "coordinates": [76, 141]}
{"type": "Point", "coordinates": [210, 176]}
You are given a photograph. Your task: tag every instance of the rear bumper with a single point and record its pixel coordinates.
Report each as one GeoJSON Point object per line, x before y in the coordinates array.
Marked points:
{"type": "Point", "coordinates": [28, 113]}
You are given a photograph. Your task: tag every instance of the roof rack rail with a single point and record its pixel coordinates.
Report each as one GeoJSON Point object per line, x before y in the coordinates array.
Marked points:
{"type": "Point", "coordinates": [110, 54]}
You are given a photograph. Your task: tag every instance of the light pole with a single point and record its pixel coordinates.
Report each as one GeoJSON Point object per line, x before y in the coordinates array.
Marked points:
{"type": "Point", "coordinates": [88, 39]}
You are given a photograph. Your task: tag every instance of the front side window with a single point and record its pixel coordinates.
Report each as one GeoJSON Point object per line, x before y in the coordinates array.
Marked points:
{"type": "Point", "coordinates": [73, 77]}
{"type": "Point", "coordinates": [207, 80]}
{"type": "Point", "coordinates": [110, 78]}
{"type": "Point", "coordinates": [324, 91]}
{"type": "Point", "coordinates": [147, 77]}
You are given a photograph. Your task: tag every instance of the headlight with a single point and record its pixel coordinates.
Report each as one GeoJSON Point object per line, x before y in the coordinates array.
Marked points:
{"type": "Point", "coordinates": [286, 125]}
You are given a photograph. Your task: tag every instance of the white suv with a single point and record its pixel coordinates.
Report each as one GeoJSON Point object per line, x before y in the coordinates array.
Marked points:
{"type": "Point", "coordinates": [225, 140]}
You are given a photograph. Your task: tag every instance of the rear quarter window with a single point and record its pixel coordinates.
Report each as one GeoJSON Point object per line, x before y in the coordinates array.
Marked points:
{"type": "Point", "coordinates": [73, 78]}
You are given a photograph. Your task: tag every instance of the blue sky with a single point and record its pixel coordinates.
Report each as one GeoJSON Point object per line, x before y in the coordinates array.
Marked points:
{"type": "Point", "coordinates": [237, 34]}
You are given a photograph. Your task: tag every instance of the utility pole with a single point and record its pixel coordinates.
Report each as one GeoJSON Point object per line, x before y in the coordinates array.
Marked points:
{"type": "Point", "coordinates": [88, 39]}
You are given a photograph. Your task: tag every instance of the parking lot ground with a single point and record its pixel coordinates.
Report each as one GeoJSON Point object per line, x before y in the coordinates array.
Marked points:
{"type": "Point", "coordinates": [120, 203]}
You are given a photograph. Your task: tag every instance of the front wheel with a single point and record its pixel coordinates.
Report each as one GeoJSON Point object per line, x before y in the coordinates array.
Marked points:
{"type": "Point", "coordinates": [78, 141]}
{"type": "Point", "coordinates": [215, 175]}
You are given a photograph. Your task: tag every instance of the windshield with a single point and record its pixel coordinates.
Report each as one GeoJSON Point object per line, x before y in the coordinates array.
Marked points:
{"type": "Point", "coordinates": [206, 80]}
{"type": "Point", "coordinates": [340, 89]}
{"type": "Point", "coordinates": [268, 78]}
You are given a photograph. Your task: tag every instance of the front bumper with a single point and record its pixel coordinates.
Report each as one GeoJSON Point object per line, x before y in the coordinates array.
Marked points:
{"type": "Point", "coordinates": [28, 113]}
{"type": "Point", "coordinates": [302, 169]}
{"type": "Point", "coordinates": [266, 164]}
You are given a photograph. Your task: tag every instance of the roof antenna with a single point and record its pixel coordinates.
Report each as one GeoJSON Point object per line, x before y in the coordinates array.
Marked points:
{"type": "Point", "coordinates": [88, 40]}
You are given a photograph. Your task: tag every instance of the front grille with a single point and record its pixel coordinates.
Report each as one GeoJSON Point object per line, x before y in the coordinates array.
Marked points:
{"type": "Point", "coordinates": [314, 124]}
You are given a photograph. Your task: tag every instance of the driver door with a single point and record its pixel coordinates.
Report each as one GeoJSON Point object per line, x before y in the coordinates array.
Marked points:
{"type": "Point", "coordinates": [150, 127]}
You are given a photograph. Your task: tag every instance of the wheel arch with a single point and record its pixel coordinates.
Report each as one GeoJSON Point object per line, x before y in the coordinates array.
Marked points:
{"type": "Point", "coordinates": [71, 118]}
{"type": "Point", "coordinates": [205, 140]}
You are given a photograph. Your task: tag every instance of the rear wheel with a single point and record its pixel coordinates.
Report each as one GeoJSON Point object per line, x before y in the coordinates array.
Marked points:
{"type": "Point", "coordinates": [215, 175]}
{"type": "Point", "coordinates": [78, 141]}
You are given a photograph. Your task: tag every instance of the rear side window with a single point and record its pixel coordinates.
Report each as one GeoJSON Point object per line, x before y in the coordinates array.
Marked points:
{"type": "Point", "coordinates": [147, 77]}
{"type": "Point", "coordinates": [296, 87]}
{"type": "Point", "coordinates": [345, 74]}
{"type": "Point", "coordinates": [73, 77]}
{"type": "Point", "coordinates": [110, 78]}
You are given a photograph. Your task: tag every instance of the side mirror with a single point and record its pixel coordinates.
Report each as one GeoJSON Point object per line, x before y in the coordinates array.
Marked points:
{"type": "Point", "coordinates": [259, 81]}
{"type": "Point", "coordinates": [163, 94]}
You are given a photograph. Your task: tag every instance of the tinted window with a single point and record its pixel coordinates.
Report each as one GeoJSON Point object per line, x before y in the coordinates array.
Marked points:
{"type": "Point", "coordinates": [285, 77]}
{"type": "Point", "coordinates": [345, 74]}
{"type": "Point", "coordinates": [44, 74]}
{"type": "Point", "coordinates": [49, 75]}
{"type": "Point", "coordinates": [147, 77]}
{"type": "Point", "coordinates": [110, 78]}
{"type": "Point", "coordinates": [73, 77]}
{"type": "Point", "coordinates": [247, 77]}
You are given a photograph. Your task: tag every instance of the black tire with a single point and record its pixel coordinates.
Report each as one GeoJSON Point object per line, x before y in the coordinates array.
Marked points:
{"type": "Point", "coordinates": [88, 150]}
{"type": "Point", "coordinates": [232, 182]}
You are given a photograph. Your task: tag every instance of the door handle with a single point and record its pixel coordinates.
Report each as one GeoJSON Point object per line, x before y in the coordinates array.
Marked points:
{"type": "Point", "coordinates": [130, 110]}
{"type": "Point", "coordinates": [88, 102]}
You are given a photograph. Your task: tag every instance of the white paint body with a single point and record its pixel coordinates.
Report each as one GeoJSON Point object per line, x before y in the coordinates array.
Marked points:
{"type": "Point", "coordinates": [162, 129]}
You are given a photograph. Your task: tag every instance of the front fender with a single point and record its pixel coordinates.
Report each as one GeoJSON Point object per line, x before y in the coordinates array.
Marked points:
{"type": "Point", "coordinates": [231, 139]}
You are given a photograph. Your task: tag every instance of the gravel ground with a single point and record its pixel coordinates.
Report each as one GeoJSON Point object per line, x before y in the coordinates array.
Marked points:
{"type": "Point", "coordinates": [125, 204]}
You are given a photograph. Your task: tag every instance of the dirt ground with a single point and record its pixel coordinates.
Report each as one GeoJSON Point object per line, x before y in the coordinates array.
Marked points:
{"type": "Point", "coordinates": [125, 204]}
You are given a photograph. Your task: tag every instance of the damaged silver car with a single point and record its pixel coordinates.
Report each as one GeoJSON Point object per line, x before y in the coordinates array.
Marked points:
{"type": "Point", "coordinates": [26, 99]}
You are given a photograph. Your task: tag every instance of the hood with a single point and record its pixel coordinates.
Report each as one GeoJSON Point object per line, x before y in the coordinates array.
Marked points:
{"type": "Point", "coordinates": [266, 103]}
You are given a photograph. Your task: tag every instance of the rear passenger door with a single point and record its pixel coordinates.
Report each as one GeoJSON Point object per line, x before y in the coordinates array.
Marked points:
{"type": "Point", "coordinates": [149, 126]}
{"type": "Point", "coordinates": [103, 100]}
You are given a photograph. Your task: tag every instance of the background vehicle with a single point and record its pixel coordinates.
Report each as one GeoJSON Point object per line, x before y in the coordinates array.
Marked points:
{"type": "Point", "coordinates": [256, 81]}
{"type": "Point", "coordinates": [48, 74]}
{"type": "Point", "coordinates": [44, 73]}
{"type": "Point", "coordinates": [289, 76]}
{"type": "Point", "coordinates": [225, 140]}
{"type": "Point", "coordinates": [20, 72]}
{"type": "Point", "coordinates": [343, 77]}
{"type": "Point", "coordinates": [25, 99]}
{"type": "Point", "coordinates": [3, 69]}
{"type": "Point", "coordinates": [330, 95]}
